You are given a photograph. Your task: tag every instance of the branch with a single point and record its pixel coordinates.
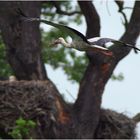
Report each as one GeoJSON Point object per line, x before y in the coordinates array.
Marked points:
{"type": "Point", "coordinates": [131, 34]}
{"type": "Point", "coordinates": [93, 24]}
{"type": "Point", "coordinates": [120, 10]}
{"type": "Point", "coordinates": [59, 11]}
{"type": "Point", "coordinates": [91, 17]}
{"type": "Point", "coordinates": [136, 118]}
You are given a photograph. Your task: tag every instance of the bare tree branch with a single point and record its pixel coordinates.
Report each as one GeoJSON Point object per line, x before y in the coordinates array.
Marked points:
{"type": "Point", "coordinates": [120, 5]}
{"type": "Point", "coordinates": [136, 118]}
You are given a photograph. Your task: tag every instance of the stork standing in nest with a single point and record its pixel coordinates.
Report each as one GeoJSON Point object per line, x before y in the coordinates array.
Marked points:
{"type": "Point", "coordinates": [80, 42]}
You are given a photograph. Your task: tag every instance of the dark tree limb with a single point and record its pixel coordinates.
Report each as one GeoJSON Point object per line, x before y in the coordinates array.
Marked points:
{"type": "Point", "coordinates": [120, 6]}
{"type": "Point", "coordinates": [87, 105]}
{"type": "Point", "coordinates": [131, 34]}
{"type": "Point", "coordinates": [136, 118]}
{"type": "Point", "coordinates": [90, 13]}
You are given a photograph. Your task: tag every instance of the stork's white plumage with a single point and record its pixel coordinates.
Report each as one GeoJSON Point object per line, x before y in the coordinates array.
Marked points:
{"type": "Point", "coordinates": [80, 42]}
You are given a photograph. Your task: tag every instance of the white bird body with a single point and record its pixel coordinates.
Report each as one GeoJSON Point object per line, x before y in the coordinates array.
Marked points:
{"type": "Point", "coordinates": [94, 39]}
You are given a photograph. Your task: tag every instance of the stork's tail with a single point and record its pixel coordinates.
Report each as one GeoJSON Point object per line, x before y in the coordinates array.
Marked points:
{"type": "Point", "coordinates": [131, 46]}
{"type": "Point", "coordinates": [126, 44]}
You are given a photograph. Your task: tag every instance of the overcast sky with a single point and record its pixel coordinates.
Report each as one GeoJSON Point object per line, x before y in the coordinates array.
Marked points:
{"type": "Point", "coordinates": [120, 96]}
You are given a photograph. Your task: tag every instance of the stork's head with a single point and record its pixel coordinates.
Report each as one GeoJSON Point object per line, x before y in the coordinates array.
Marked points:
{"type": "Point", "coordinates": [62, 41]}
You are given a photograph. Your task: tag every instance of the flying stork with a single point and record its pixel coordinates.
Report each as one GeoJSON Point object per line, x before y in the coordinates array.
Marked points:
{"type": "Point", "coordinates": [80, 42]}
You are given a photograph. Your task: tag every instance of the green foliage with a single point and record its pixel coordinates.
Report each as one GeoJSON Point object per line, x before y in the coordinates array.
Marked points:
{"type": "Point", "coordinates": [5, 69]}
{"type": "Point", "coordinates": [76, 69]}
{"type": "Point", "coordinates": [118, 77]}
{"type": "Point", "coordinates": [22, 128]}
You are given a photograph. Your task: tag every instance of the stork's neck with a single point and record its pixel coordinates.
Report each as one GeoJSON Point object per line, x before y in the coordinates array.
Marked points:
{"type": "Point", "coordinates": [79, 45]}
{"type": "Point", "coordinates": [66, 44]}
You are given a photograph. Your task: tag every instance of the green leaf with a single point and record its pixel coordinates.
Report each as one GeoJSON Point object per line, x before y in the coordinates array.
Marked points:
{"type": "Point", "coordinates": [20, 122]}
{"type": "Point", "coordinates": [118, 77]}
{"type": "Point", "coordinates": [22, 128]}
{"type": "Point", "coordinates": [31, 124]}
{"type": "Point", "coordinates": [5, 69]}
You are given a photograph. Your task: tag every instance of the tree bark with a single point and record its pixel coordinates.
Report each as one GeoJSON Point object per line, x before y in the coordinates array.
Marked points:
{"type": "Point", "coordinates": [22, 40]}
{"type": "Point", "coordinates": [87, 105]}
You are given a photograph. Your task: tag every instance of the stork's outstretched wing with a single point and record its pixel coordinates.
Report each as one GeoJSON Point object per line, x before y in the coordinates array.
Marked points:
{"type": "Point", "coordinates": [99, 41]}
{"type": "Point", "coordinates": [76, 35]}
{"type": "Point", "coordinates": [72, 32]}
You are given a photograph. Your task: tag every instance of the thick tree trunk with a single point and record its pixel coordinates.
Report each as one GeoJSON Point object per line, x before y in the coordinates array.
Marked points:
{"type": "Point", "coordinates": [88, 103]}
{"type": "Point", "coordinates": [22, 39]}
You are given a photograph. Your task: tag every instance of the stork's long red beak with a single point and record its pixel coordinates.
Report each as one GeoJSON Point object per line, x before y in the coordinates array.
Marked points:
{"type": "Point", "coordinates": [54, 43]}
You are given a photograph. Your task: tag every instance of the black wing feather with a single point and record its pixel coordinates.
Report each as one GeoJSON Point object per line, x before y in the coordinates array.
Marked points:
{"type": "Point", "coordinates": [60, 26]}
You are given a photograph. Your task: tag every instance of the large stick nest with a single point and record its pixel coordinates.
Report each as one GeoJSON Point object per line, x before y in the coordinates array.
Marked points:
{"type": "Point", "coordinates": [113, 125]}
{"type": "Point", "coordinates": [36, 100]}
